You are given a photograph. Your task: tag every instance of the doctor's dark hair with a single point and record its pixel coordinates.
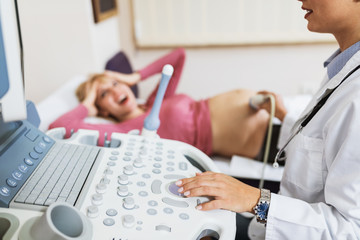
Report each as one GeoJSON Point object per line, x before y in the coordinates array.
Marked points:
{"type": "Point", "coordinates": [84, 88]}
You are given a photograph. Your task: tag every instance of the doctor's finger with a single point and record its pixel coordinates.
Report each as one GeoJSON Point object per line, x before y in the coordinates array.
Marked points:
{"type": "Point", "coordinates": [203, 191]}
{"type": "Point", "coordinates": [183, 181]}
{"type": "Point", "coordinates": [211, 205]}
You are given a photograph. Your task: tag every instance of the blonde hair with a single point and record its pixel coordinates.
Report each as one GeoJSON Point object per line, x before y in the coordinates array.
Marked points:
{"type": "Point", "coordinates": [84, 88]}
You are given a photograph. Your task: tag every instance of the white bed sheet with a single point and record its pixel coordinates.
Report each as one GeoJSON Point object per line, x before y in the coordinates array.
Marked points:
{"type": "Point", "coordinates": [64, 99]}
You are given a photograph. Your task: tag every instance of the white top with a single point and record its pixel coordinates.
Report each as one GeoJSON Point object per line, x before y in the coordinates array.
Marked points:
{"type": "Point", "coordinates": [320, 189]}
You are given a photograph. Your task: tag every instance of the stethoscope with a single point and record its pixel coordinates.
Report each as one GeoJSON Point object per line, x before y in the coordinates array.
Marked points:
{"type": "Point", "coordinates": [308, 117]}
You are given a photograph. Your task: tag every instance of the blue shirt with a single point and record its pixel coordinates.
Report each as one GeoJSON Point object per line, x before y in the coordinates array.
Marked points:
{"type": "Point", "coordinates": [338, 59]}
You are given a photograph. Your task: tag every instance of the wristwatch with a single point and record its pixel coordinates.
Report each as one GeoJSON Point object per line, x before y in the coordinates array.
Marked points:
{"type": "Point", "coordinates": [262, 207]}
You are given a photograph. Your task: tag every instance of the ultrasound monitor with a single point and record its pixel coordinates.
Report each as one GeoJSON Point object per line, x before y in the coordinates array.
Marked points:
{"type": "Point", "coordinates": [12, 96]}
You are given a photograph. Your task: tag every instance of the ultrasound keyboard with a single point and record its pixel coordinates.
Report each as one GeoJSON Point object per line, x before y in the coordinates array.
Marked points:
{"type": "Point", "coordinates": [60, 176]}
{"type": "Point", "coordinates": [132, 192]}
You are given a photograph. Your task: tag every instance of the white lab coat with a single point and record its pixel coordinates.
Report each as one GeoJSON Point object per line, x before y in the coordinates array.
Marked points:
{"type": "Point", "coordinates": [320, 189]}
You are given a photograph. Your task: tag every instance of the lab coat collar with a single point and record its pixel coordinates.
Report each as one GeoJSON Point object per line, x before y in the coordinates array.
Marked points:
{"type": "Point", "coordinates": [329, 84]}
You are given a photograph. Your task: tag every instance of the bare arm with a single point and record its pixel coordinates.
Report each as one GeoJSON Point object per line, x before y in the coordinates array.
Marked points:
{"type": "Point", "coordinates": [129, 79]}
{"type": "Point", "coordinates": [89, 101]}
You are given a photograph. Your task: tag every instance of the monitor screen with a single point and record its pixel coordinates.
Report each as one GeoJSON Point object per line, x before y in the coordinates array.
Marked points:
{"type": "Point", "coordinates": [12, 95]}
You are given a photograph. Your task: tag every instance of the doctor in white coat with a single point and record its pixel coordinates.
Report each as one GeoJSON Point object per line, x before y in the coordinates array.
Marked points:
{"type": "Point", "coordinates": [319, 194]}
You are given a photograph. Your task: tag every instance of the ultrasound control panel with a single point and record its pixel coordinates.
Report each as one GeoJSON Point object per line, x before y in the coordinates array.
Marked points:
{"type": "Point", "coordinates": [132, 192]}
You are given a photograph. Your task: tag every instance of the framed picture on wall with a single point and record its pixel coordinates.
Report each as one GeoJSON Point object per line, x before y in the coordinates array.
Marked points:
{"type": "Point", "coordinates": [104, 9]}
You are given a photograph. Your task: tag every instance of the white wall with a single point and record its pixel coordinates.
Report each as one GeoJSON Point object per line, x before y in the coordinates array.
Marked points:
{"type": "Point", "coordinates": [60, 41]}
{"type": "Point", "coordinates": [286, 69]}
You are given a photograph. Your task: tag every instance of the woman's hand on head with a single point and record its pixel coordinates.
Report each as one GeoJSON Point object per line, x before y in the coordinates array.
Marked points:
{"type": "Point", "coordinates": [129, 79]}
{"type": "Point", "coordinates": [280, 110]}
{"type": "Point", "coordinates": [90, 99]}
{"type": "Point", "coordinates": [227, 192]}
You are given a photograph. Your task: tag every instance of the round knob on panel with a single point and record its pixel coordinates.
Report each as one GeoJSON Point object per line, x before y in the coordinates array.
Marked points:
{"type": "Point", "coordinates": [128, 221]}
{"type": "Point", "coordinates": [123, 179]}
{"type": "Point", "coordinates": [97, 199]}
{"type": "Point", "coordinates": [128, 170]}
{"type": "Point", "coordinates": [101, 188]}
{"type": "Point", "coordinates": [129, 203]}
{"type": "Point", "coordinates": [138, 163]}
{"type": "Point", "coordinates": [92, 211]}
{"type": "Point", "coordinates": [122, 191]}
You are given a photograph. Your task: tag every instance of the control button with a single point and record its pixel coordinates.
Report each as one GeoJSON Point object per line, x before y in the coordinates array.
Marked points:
{"type": "Point", "coordinates": [175, 203]}
{"type": "Point", "coordinates": [163, 228]}
{"type": "Point", "coordinates": [168, 210]}
{"type": "Point", "coordinates": [108, 171]}
{"type": "Point", "coordinates": [159, 159]}
{"type": "Point", "coordinates": [5, 191]}
{"type": "Point", "coordinates": [34, 155]}
{"type": "Point", "coordinates": [123, 179]}
{"type": "Point", "coordinates": [128, 221]}
{"type": "Point", "coordinates": [157, 165]}
{"type": "Point", "coordinates": [174, 189]}
{"type": "Point", "coordinates": [141, 184]}
{"type": "Point", "coordinates": [152, 203]}
{"type": "Point", "coordinates": [129, 203]}
{"type": "Point", "coordinates": [122, 191]}
{"type": "Point", "coordinates": [105, 180]}
{"type": "Point", "coordinates": [151, 211]}
{"type": "Point", "coordinates": [17, 175]}
{"type": "Point", "coordinates": [92, 212]}
{"type": "Point", "coordinates": [158, 152]}
{"type": "Point", "coordinates": [47, 139]}
{"type": "Point", "coordinates": [111, 164]}
{"type": "Point", "coordinates": [23, 168]}
{"type": "Point", "coordinates": [109, 221]}
{"type": "Point", "coordinates": [155, 186]}
{"type": "Point", "coordinates": [174, 176]}
{"type": "Point", "coordinates": [11, 182]}
{"type": "Point", "coordinates": [170, 169]}
{"type": "Point", "coordinates": [171, 151]}
{"type": "Point", "coordinates": [170, 156]}
{"type": "Point", "coordinates": [101, 188]}
{"type": "Point", "coordinates": [184, 216]}
{"type": "Point", "coordinates": [128, 170]}
{"type": "Point", "coordinates": [111, 212]}
{"type": "Point", "coordinates": [32, 135]}
{"type": "Point", "coordinates": [38, 149]}
{"type": "Point", "coordinates": [42, 144]}
{"type": "Point", "coordinates": [143, 193]}
{"type": "Point", "coordinates": [138, 163]}
{"type": "Point", "coordinates": [126, 159]}
{"type": "Point", "coordinates": [138, 228]}
{"type": "Point", "coordinates": [115, 152]}
{"type": "Point", "coordinates": [170, 163]}
{"type": "Point", "coordinates": [96, 199]}
{"type": "Point", "coordinates": [128, 154]}
{"type": "Point", "coordinates": [183, 166]}
{"type": "Point", "coordinates": [28, 161]}
{"type": "Point", "coordinates": [113, 158]}
{"type": "Point", "coordinates": [146, 175]}
{"type": "Point", "coordinates": [156, 171]}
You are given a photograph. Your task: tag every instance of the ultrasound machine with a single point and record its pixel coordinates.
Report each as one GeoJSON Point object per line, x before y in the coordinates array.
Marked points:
{"type": "Point", "coordinates": [56, 188]}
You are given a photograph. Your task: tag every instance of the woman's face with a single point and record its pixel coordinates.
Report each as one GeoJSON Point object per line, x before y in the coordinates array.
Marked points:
{"type": "Point", "coordinates": [338, 17]}
{"type": "Point", "coordinates": [115, 99]}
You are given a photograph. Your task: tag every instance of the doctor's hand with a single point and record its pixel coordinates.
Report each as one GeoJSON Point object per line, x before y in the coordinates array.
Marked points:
{"type": "Point", "coordinates": [129, 79]}
{"type": "Point", "coordinates": [228, 193]}
{"type": "Point", "coordinates": [89, 101]}
{"type": "Point", "coordinates": [280, 110]}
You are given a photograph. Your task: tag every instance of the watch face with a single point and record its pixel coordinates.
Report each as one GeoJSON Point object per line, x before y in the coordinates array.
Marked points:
{"type": "Point", "coordinates": [263, 207]}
